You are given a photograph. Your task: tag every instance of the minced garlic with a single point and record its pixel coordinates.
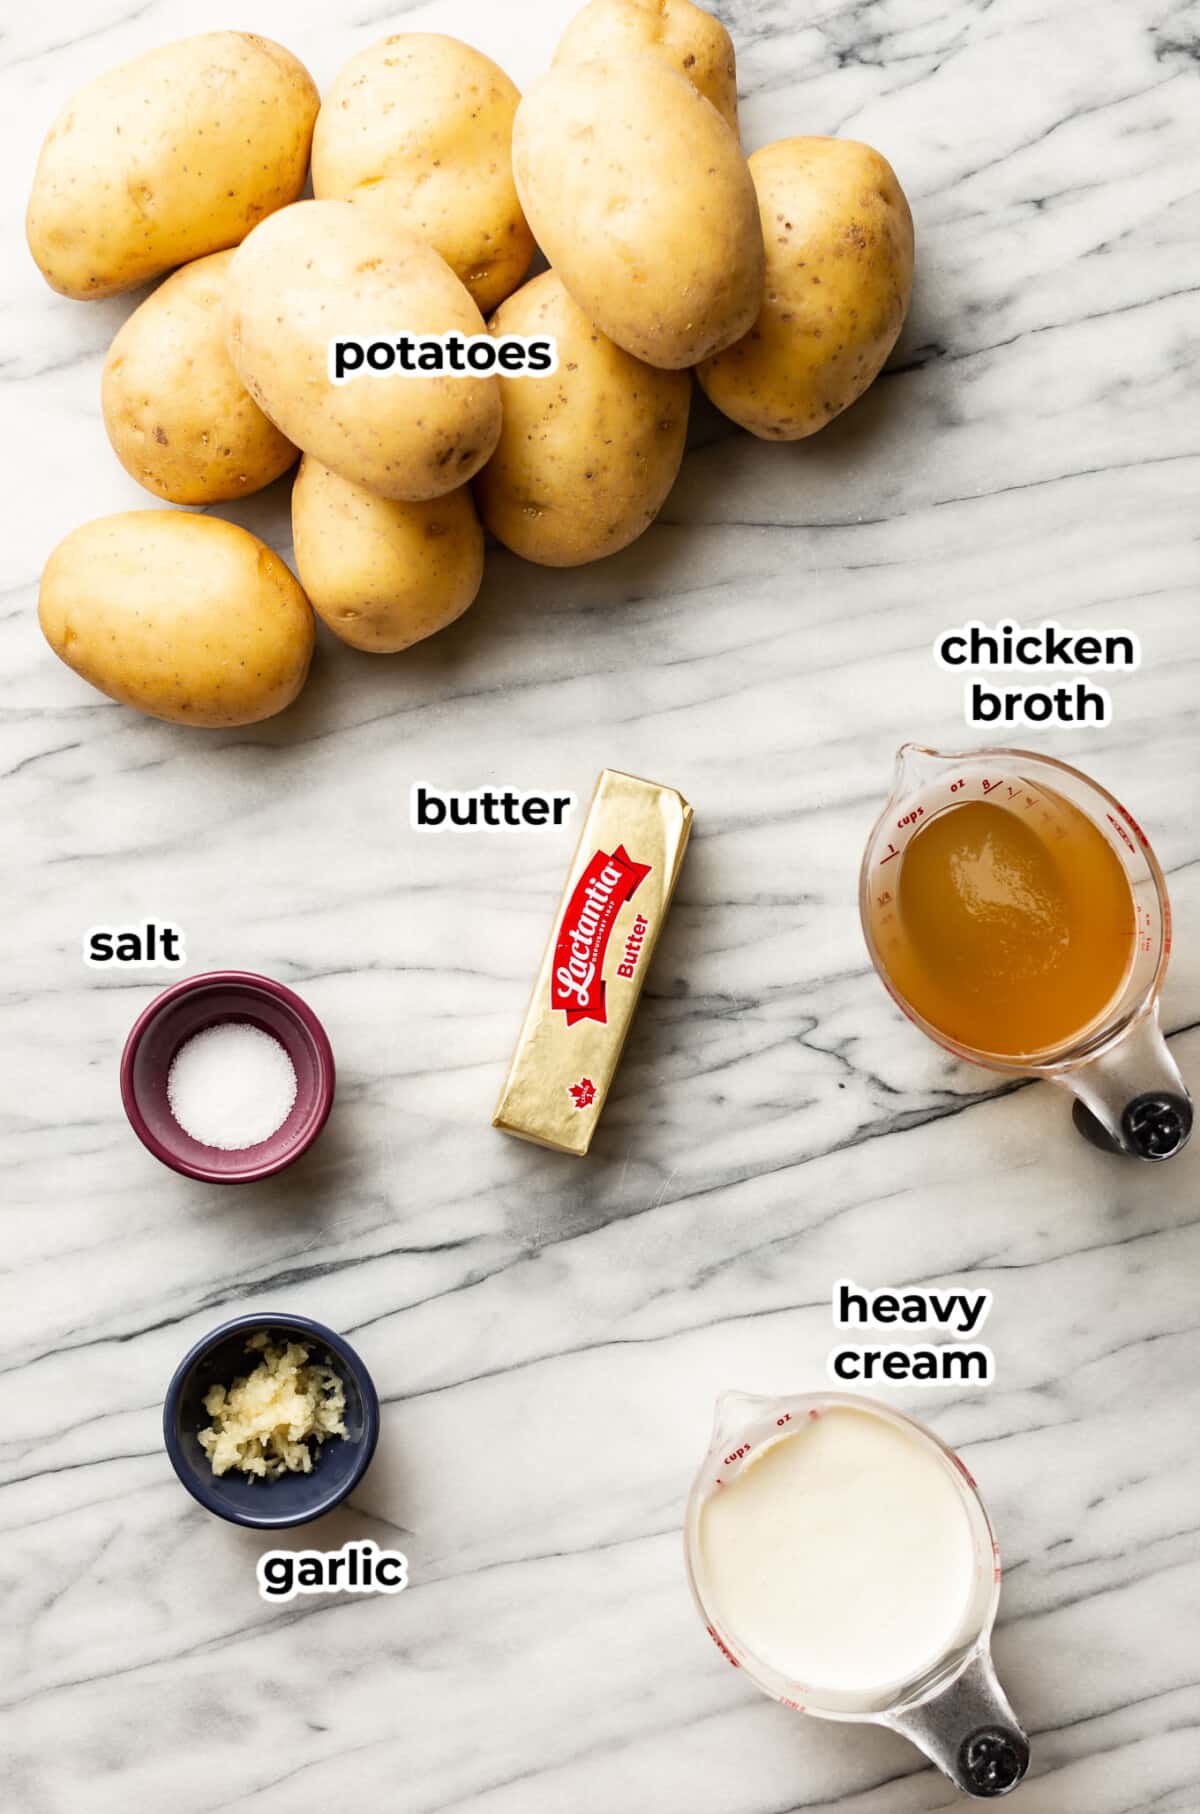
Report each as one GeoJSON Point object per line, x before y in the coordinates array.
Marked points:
{"type": "Point", "coordinates": [264, 1423]}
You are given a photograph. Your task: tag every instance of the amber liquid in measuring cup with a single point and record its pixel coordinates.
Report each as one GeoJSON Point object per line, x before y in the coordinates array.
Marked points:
{"type": "Point", "coordinates": [1017, 913]}
{"type": "Point", "coordinates": [1010, 927]}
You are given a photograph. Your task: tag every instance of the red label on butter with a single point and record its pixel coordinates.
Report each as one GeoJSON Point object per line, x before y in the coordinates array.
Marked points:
{"type": "Point", "coordinates": [577, 979]}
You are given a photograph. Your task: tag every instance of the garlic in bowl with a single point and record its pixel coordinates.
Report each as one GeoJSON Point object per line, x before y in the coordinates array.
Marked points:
{"type": "Point", "coordinates": [263, 1424]}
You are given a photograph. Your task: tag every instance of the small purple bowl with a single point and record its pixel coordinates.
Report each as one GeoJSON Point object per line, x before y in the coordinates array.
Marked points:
{"type": "Point", "coordinates": [189, 1007]}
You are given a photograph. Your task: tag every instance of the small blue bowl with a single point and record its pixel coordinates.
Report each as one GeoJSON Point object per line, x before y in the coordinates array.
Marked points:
{"type": "Point", "coordinates": [269, 1505]}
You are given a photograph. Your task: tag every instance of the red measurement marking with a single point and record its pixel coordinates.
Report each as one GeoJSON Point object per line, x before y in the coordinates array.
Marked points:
{"type": "Point", "coordinates": [737, 1454]}
{"type": "Point", "coordinates": [796, 1706]}
{"type": "Point", "coordinates": [884, 899]}
{"type": "Point", "coordinates": [1126, 814]}
{"type": "Point", "coordinates": [1121, 831]}
{"type": "Point", "coordinates": [723, 1647]}
{"type": "Point", "coordinates": [891, 852]}
{"type": "Point", "coordinates": [989, 785]}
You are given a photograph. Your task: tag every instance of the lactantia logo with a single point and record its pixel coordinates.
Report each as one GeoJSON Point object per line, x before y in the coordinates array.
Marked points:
{"type": "Point", "coordinates": [577, 980]}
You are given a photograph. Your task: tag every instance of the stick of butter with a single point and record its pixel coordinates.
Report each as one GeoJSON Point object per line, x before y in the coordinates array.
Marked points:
{"type": "Point", "coordinates": [612, 910]}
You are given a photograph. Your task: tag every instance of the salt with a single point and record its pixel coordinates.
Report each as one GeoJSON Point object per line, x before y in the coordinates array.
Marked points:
{"type": "Point", "coordinates": [231, 1086]}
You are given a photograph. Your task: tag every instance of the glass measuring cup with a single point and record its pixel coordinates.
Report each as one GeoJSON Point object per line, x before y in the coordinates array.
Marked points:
{"type": "Point", "coordinates": [1129, 1095]}
{"type": "Point", "coordinates": [954, 1710]}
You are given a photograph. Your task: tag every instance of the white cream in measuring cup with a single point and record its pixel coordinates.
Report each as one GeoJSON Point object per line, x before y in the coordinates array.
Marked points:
{"type": "Point", "coordinates": [841, 1556]}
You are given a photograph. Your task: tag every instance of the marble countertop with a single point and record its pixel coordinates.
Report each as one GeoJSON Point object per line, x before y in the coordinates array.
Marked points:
{"type": "Point", "coordinates": [549, 1335]}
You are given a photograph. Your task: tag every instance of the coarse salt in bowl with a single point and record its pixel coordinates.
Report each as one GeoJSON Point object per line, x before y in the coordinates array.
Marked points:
{"type": "Point", "coordinates": [181, 1036]}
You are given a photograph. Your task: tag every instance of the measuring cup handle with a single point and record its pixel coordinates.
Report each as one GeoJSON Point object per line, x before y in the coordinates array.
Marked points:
{"type": "Point", "coordinates": [969, 1731]}
{"type": "Point", "coordinates": [1132, 1099]}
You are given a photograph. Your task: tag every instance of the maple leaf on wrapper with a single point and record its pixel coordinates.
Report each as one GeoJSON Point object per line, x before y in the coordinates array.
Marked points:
{"type": "Point", "coordinates": [583, 1093]}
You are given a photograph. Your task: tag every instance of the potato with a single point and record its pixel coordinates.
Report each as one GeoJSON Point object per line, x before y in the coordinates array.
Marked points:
{"type": "Point", "coordinates": [381, 573]}
{"type": "Point", "coordinates": [177, 414]}
{"type": "Point", "coordinates": [163, 159]}
{"type": "Point", "coordinates": [691, 40]}
{"type": "Point", "coordinates": [839, 242]}
{"type": "Point", "coordinates": [588, 453]}
{"type": "Point", "coordinates": [423, 123]}
{"type": "Point", "coordinates": [318, 270]}
{"type": "Point", "coordinates": [639, 196]}
{"type": "Point", "coordinates": [182, 617]}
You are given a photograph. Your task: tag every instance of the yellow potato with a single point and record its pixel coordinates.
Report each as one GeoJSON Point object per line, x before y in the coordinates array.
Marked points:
{"type": "Point", "coordinates": [320, 270]}
{"type": "Point", "coordinates": [839, 242]}
{"type": "Point", "coordinates": [182, 617]}
{"type": "Point", "coordinates": [423, 124]}
{"type": "Point", "coordinates": [179, 419]}
{"type": "Point", "coordinates": [691, 40]}
{"type": "Point", "coordinates": [381, 573]}
{"type": "Point", "coordinates": [163, 159]}
{"type": "Point", "coordinates": [639, 195]}
{"type": "Point", "coordinates": [588, 453]}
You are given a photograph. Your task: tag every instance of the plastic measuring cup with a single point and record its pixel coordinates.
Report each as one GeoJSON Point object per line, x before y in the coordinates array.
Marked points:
{"type": "Point", "coordinates": [1129, 1095]}
{"type": "Point", "coordinates": [955, 1710]}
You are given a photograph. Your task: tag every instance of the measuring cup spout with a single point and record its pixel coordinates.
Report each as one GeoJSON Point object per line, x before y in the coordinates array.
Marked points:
{"type": "Point", "coordinates": [969, 1731]}
{"type": "Point", "coordinates": [734, 1412]}
{"type": "Point", "coordinates": [1132, 1098]}
{"type": "Point", "coordinates": [916, 765]}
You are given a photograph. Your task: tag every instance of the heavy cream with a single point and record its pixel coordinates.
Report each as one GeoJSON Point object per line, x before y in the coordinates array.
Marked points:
{"type": "Point", "coordinates": [841, 1557]}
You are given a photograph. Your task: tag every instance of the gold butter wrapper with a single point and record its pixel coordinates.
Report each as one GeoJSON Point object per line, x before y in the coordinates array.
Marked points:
{"type": "Point", "coordinates": [612, 910]}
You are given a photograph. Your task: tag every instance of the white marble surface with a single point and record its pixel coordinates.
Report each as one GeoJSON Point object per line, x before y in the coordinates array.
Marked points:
{"type": "Point", "coordinates": [549, 1335]}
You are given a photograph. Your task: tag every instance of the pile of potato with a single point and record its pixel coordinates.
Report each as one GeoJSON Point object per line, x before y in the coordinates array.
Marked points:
{"type": "Point", "coordinates": [782, 280]}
